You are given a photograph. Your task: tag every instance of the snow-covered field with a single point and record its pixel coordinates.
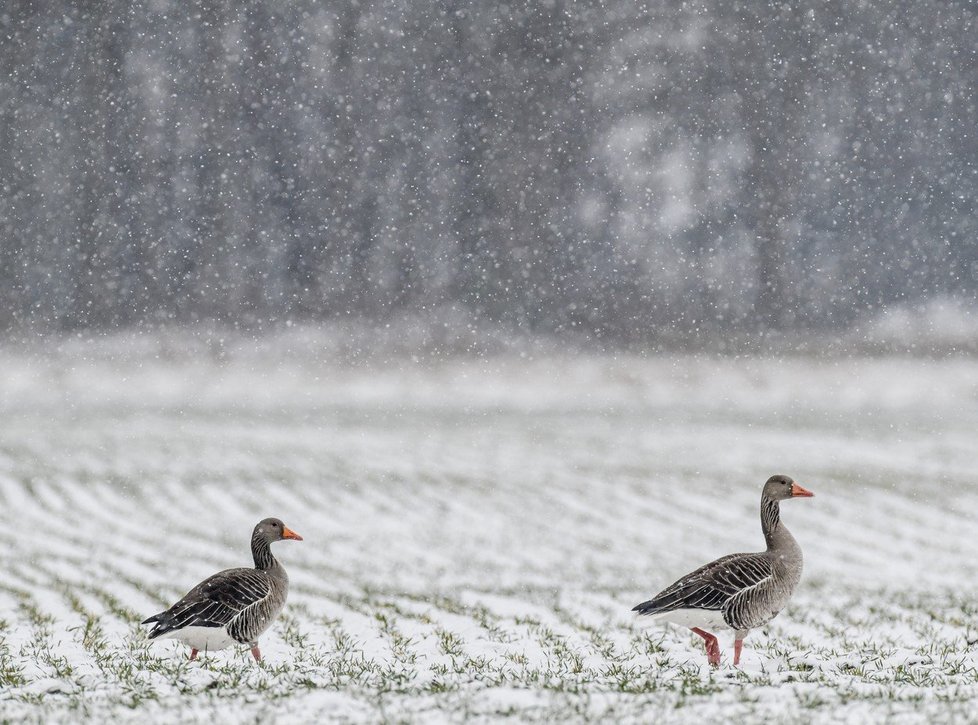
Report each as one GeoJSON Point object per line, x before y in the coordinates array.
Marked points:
{"type": "Point", "coordinates": [476, 533]}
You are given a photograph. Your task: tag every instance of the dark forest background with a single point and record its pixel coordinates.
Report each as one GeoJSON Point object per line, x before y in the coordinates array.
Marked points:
{"type": "Point", "coordinates": [624, 171]}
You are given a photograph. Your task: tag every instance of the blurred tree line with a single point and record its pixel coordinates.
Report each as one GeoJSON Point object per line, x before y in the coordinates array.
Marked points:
{"type": "Point", "coordinates": [628, 170]}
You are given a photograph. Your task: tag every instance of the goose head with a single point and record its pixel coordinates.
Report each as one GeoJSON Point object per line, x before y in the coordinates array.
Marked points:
{"type": "Point", "coordinates": [274, 530]}
{"type": "Point", "coordinates": [780, 487]}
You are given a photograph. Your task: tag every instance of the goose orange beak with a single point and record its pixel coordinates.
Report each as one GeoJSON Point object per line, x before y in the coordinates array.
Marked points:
{"type": "Point", "coordinates": [288, 533]}
{"type": "Point", "coordinates": [797, 490]}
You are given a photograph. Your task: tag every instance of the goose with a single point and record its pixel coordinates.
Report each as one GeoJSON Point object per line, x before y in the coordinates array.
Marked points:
{"type": "Point", "coordinates": [234, 605]}
{"type": "Point", "coordinates": [738, 591]}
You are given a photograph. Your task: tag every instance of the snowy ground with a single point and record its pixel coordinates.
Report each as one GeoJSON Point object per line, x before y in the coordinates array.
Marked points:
{"type": "Point", "coordinates": [476, 534]}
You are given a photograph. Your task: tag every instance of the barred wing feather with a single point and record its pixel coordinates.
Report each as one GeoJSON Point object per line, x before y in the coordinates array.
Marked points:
{"type": "Point", "coordinates": [215, 602]}
{"type": "Point", "coordinates": [712, 585]}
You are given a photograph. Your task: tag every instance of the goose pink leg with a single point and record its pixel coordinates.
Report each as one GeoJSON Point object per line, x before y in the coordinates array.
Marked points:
{"type": "Point", "coordinates": [738, 645]}
{"type": "Point", "coordinates": [256, 654]}
{"type": "Point", "coordinates": [712, 646]}
{"type": "Point", "coordinates": [193, 654]}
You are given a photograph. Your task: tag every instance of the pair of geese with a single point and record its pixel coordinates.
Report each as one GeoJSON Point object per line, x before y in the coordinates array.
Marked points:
{"type": "Point", "coordinates": [738, 592]}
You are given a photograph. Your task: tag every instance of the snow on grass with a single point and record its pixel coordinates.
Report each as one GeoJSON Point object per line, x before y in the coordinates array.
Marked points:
{"type": "Point", "coordinates": [477, 532]}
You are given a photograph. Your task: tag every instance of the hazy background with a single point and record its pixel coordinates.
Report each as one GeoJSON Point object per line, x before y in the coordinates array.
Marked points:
{"type": "Point", "coordinates": [612, 173]}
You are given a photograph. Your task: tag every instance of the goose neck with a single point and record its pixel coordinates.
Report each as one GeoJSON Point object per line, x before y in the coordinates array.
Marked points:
{"type": "Point", "coordinates": [261, 550]}
{"type": "Point", "coordinates": [776, 534]}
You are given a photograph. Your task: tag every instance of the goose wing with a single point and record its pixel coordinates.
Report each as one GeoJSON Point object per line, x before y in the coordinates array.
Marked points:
{"type": "Point", "coordinates": [712, 585]}
{"type": "Point", "coordinates": [215, 602]}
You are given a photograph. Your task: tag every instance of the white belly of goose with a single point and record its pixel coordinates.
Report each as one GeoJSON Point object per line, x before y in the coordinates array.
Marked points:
{"type": "Point", "coordinates": [205, 639]}
{"type": "Point", "coordinates": [708, 619]}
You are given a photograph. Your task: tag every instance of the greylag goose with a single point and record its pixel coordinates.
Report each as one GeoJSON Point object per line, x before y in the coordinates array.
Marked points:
{"type": "Point", "coordinates": [738, 591]}
{"type": "Point", "coordinates": [233, 606]}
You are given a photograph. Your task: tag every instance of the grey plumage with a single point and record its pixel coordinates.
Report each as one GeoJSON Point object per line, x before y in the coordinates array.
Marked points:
{"type": "Point", "coordinates": [739, 591]}
{"type": "Point", "coordinates": [234, 605]}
